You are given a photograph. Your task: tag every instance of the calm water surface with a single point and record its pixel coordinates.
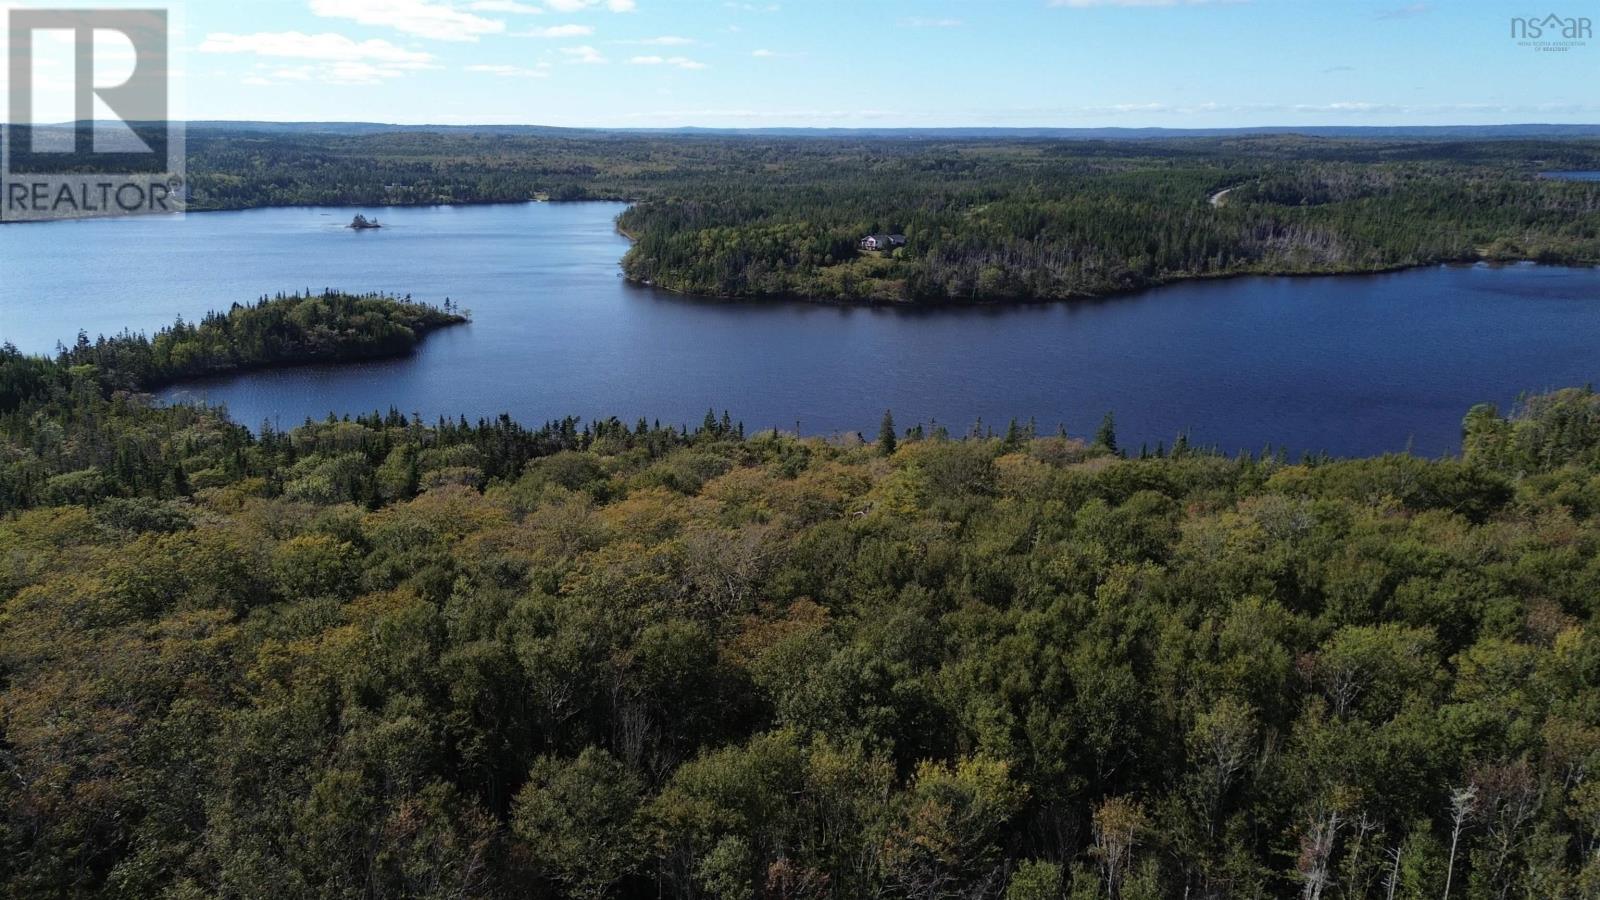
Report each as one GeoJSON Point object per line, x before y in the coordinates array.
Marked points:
{"type": "Point", "coordinates": [1349, 365]}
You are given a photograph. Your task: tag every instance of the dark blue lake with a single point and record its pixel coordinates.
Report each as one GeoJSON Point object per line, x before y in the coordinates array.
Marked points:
{"type": "Point", "coordinates": [1352, 365]}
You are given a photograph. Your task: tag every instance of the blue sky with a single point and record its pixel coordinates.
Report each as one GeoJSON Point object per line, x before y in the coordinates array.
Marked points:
{"type": "Point", "coordinates": [1070, 63]}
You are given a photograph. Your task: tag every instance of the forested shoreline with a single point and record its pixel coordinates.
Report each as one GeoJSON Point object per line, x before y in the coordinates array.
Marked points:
{"type": "Point", "coordinates": [986, 219]}
{"type": "Point", "coordinates": [1039, 223]}
{"type": "Point", "coordinates": [377, 657]}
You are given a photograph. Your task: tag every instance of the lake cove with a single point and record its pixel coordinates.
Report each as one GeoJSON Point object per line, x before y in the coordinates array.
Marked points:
{"type": "Point", "coordinates": [1349, 364]}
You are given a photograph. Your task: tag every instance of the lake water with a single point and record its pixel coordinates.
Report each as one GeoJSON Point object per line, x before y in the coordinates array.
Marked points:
{"type": "Point", "coordinates": [1351, 365]}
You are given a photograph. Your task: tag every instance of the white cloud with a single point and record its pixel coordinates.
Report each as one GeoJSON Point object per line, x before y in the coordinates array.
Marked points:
{"type": "Point", "coordinates": [326, 46]}
{"type": "Point", "coordinates": [682, 62]}
{"type": "Point", "coordinates": [666, 40]}
{"type": "Point", "coordinates": [510, 71]}
{"type": "Point", "coordinates": [1086, 4]}
{"type": "Point", "coordinates": [570, 6]}
{"type": "Point", "coordinates": [764, 53]}
{"type": "Point", "coordinates": [556, 31]}
{"type": "Point", "coordinates": [583, 54]}
{"type": "Point", "coordinates": [336, 73]}
{"type": "Point", "coordinates": [505, 6]}
{"type": "Point", "coordinates": [420, 17]}
{"type": "Point", "coordinates": [1407, 12]}
{"type": "Point", "coordinates": [332, 58]}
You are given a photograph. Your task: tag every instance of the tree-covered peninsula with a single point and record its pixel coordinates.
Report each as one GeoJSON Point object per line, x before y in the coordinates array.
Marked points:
{"type": "Point", "coordinates": [1039, 221]}
{"type": "Point", "coordinates": [286, 330]}
{"type": "Point", "coordinates": [378, 657]}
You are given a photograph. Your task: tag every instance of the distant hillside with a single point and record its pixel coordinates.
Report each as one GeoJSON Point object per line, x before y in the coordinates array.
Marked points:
{"type": "Point", "coordinates": [1413, 132]}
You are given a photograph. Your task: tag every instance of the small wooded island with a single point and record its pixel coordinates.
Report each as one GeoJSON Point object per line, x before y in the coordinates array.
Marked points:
{"type": "Point", "coordinates": [362, 223]}
{"type": "Point", "coordinates": [285, 330]}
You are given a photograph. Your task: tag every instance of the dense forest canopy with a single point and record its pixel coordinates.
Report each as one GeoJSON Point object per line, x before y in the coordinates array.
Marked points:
{"type": "Point", "coordinates": [376, 657]}
{"type": "Point", "coordinates": [987, 219]}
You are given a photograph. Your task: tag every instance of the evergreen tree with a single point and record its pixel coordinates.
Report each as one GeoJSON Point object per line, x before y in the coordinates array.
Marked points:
{"type": "Point", "coordinates": [886, 439]}
{"type": "Point", "coordinates": [1106, 437]}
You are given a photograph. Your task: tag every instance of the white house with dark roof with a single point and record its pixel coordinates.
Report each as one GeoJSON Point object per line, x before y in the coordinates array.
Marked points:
{"type": "Point", "coordinates": [883, 241]}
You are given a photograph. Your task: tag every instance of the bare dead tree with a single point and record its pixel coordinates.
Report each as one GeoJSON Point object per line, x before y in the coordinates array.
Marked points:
{"type": "Point", "coordinates": [1462, 802]}
{"type": "Point", "coordinates": [1222, 741]}
{"type": "Point", "coordinates": [1392, 883]}
{"type": "Point", "coordinates": [1357, 880]}
{"type": "Point", "coordinates": [1509, 796]}
{"type": "Point", "coordinates": [1117, 824]}
{"type": "Point", "coordinates": [723, 567]}
{"type": "Point", "coordinates": [1316, 849]}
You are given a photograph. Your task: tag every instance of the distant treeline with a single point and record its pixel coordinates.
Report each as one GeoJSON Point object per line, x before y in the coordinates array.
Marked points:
{"type": "Point", "coordinates": [987, 219]}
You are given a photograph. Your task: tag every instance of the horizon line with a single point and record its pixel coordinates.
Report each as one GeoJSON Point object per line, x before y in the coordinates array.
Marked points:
{"type": "Point", "coordinates": [862, 128]}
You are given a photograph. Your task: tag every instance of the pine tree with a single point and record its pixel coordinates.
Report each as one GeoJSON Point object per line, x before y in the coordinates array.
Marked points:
{"type": "Point", "coordinates": [180, 481]}
{"type": "Point", "coordinates": [886, 439]}
{"type": "Point", "coordinates": [1106, 437]}
{"type": "Point", "coordinates": [1013, 438]}
{"type": "Point", "coordinates": [413, 475]}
